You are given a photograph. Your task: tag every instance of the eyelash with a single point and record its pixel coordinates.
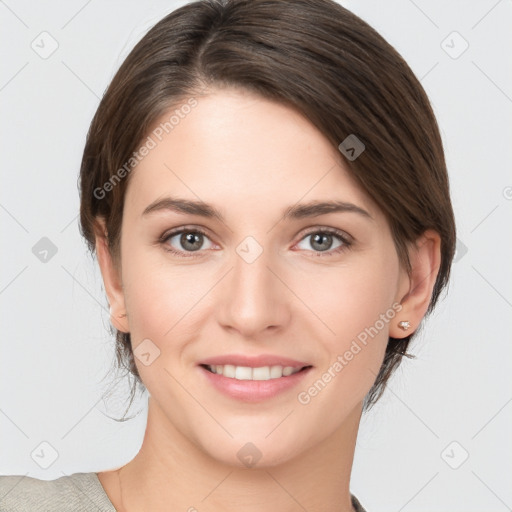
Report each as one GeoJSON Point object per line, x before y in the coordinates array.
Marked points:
{"type": "Point", "coordinates": [346, 243]}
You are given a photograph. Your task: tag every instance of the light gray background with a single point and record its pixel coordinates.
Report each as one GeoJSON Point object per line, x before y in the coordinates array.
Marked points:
{"type": "Point", "coordinates": [54, 330]}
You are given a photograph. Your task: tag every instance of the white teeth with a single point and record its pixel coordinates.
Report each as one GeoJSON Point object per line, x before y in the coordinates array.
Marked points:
{"type": "Point", "coordinates": [276, 372]}
{"type": "Point", "coordinates": [228, 370]}
{"type": "Point", "coordinates": [262, 373]}
{"type": "Point", "coordinates": [243, 373]}
{"type": "Point", "coordinates": [287, 370]}
{"type": "Point", "coordinates": [248, 373]}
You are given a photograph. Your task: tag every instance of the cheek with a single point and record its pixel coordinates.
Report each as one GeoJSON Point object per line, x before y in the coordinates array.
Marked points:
{"type": "Point", "coordinates": [356, 306]}
{"type": "Point", "coordinates": [160, 299]}
{"type": "Point", "coordinates": [354, 296]}
{"type": "Point", "coordinates": [163, 305]}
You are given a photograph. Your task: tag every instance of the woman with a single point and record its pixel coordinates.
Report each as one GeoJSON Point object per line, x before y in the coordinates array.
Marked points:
{"type": "Point", "coordinates": [265, 188]}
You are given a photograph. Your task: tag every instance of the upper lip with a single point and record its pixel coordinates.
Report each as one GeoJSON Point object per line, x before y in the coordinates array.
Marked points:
{"type": "Point", "coordinates": [253, 361]}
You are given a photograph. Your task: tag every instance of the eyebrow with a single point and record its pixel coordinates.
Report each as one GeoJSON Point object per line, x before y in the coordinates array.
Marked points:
{"type": "Point", "coordinates": [298, 211]}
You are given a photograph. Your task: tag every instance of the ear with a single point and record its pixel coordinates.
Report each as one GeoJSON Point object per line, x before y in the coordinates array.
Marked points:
{"type": "Point", "coordinates": [415, 294]}
{"type": "Point", "coordinates": [111, 279]}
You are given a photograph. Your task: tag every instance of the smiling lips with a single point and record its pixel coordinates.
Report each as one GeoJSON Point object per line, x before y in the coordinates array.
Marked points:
{"type": "Point", "coordinates": [252, 379]}
{"type": "Point", "coordinates": [262, 367]}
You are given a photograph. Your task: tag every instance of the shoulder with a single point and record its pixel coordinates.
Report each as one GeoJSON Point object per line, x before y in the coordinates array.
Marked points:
{"type": "Point", "coordinates": [73, 493]}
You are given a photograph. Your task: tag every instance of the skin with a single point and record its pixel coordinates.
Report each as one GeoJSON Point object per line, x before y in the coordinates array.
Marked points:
{"type": "Point", "coordinates": [252, 158]}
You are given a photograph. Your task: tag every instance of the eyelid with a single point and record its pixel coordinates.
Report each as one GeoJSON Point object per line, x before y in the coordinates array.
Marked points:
{"type": "Point", "coordinates": [187, 228]}
{"type": "Point", "coordinates": [331, 231]}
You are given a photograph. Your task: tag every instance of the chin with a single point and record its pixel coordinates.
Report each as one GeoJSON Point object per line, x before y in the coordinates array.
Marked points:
{"type": "Point", "coordinates": [253, 450]}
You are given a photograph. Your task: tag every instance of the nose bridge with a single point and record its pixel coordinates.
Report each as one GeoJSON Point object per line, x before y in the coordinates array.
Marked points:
{"type": "Point", "coordinates": [254, 298]}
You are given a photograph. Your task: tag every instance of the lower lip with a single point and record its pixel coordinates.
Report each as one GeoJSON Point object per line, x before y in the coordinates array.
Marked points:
{"type": "Point", "coordinates": [253, 390]}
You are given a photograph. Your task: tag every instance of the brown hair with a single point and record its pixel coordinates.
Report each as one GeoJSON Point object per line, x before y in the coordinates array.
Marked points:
{"type": "Point", "coordinates": [312, 55]}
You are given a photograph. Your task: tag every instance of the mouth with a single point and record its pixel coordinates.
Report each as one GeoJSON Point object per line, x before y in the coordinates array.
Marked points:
{"type": "Point", "coordinates": [248, 373]}
{"type": "Point", "coordinates": [252, 378]}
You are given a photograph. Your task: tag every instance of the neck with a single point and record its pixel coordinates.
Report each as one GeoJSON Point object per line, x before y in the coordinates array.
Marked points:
{"type": "Point", "coordinates": [171, 470]}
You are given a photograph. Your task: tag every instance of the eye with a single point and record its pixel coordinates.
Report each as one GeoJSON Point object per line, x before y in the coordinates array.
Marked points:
{"type": "Point", "coordinates": [185, 240]}
{"type": "Point", "coordinates": [189, 242]}
{"type": "Point", "coordinates": [321, 241]}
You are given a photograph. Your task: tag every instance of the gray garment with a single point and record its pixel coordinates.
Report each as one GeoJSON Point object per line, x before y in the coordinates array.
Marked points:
{"type": "Point", "coordinates": [80, 492]}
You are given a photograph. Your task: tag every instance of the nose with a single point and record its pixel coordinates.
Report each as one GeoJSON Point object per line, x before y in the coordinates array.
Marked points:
{"type": "Point", "coordinates": [253, 298]}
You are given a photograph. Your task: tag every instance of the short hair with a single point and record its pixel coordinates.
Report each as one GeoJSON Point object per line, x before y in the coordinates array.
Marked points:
{"type": "Point", "coordinates": [314, 56]}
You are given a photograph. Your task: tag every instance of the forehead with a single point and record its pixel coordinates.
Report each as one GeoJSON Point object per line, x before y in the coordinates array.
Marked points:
{"type": "Point", "coordinates": [236, 149]}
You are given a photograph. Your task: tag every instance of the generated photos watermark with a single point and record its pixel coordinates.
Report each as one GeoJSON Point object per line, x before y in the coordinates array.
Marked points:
{"type": "Point", "coordinates": [151, 142]}
{"type": "Point", "coordinates": [342, 360]}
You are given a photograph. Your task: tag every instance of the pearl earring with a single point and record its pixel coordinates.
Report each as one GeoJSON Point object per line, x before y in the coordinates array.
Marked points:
{"type": "Point", "coordinates": [404, 325]}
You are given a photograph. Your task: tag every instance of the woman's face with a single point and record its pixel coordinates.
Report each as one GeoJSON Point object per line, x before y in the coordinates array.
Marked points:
{"type": "Point", "coordinates": [263, 281]}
